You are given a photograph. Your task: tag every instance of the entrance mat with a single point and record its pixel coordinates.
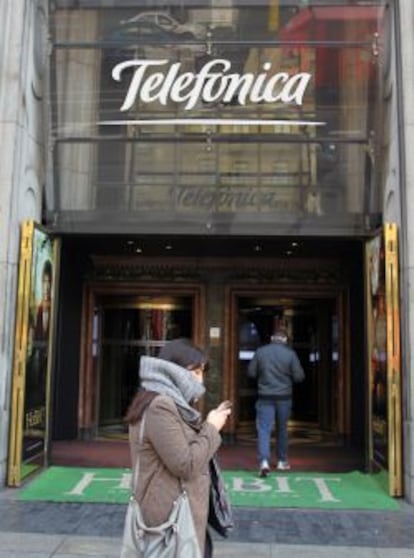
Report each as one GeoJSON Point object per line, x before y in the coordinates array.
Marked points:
{"type": "Point", "coordinates": [353, 490]}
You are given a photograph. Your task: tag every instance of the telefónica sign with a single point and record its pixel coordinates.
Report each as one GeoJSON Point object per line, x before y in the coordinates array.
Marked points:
{"type": "Point", "coordinates": [213, 83]}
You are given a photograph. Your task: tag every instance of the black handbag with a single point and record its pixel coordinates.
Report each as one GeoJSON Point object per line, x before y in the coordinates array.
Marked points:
{"type": "Point", "coordinates": [220, 514]}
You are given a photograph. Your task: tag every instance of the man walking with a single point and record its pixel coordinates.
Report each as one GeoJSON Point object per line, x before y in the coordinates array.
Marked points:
{"type": "Point", "coordinates": [275, 367]}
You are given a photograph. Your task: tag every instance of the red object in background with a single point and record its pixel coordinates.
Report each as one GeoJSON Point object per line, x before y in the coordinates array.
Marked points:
{"type": "Point", "coordinates": [158, 324]}
{"type": "Point", "coordinates": [325, 24]}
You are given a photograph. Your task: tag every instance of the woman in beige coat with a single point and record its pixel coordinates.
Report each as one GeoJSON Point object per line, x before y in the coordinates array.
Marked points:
{"type": "Point", "coordinates": [176, 443]}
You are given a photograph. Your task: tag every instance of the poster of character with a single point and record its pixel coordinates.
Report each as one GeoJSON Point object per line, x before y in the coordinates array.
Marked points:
{"type": "Point", "coordinates": [378, 351]}
{"type": "Point", "coordinates": [32, 354]}
{"type": "Point", "coordinates": [38, 336]}
{"type": "Point", "coordinates": [384, 350]}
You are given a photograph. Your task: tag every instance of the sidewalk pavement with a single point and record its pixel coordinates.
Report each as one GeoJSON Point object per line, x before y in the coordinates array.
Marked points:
{"type": "Point", "coordinates": [30, 545]}
{"type": "Point", "coordinates": [81, 530]}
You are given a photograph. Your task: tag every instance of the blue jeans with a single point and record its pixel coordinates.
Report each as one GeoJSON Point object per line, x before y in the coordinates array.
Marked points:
{"type": "Point", "coordinates": [266, 411]}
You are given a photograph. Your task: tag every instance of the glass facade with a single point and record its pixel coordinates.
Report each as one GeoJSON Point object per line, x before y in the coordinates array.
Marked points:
{"type": "Point", "coordinates": [217, 117]}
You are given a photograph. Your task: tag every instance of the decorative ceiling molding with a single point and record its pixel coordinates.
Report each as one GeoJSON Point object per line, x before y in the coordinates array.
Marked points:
{"type": "Point", "coordinates": [232, 269]}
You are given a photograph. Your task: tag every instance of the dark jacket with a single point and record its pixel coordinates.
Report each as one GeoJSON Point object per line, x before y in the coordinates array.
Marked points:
{"type": "Point", "coordinates": [275, 367]}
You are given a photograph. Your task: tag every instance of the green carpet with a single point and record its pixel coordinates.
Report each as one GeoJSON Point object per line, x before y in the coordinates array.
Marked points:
{"type": "Point", "coordinates": [289, 490]}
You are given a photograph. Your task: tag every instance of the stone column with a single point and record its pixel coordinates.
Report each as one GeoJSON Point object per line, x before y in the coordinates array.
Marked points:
{"type": "Point", "coordinates": [406, 32]}
{"type": "Point", "coordinates": [23, 129]}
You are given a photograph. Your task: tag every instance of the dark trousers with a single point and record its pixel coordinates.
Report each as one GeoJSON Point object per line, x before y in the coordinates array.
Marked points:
{"type": "Point", "coordinates": [266, 410]}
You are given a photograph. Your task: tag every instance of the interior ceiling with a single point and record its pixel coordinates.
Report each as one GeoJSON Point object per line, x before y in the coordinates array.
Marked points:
{"type": "Point", "coordinates": [176, 246]}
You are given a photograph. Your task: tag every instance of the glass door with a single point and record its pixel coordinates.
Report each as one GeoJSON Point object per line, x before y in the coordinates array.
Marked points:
{"type": "Point", "coordinates": [310, 324]}
{"type": "Point", "coordinates": [129, 329]}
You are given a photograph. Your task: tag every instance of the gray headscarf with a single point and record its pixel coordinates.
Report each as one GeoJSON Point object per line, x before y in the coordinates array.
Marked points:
{"type": "Point", "coordinates": [167, 378]}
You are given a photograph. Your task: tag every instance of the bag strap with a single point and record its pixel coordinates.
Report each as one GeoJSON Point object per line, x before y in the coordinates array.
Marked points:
{"type": "Point", "coordinates": [136, 468]}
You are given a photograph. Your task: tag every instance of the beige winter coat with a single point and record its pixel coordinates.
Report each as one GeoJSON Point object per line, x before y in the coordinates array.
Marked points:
{"type": "Point", "coordinates": [173, 450]}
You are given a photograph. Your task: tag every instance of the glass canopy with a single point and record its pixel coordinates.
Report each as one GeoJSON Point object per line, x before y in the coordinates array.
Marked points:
{"type": "Point", "coordinates": [222, 116]}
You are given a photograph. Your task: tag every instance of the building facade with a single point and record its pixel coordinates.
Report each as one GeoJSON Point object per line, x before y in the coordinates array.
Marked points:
{"type": "Point", "coordinates": [212, 170]}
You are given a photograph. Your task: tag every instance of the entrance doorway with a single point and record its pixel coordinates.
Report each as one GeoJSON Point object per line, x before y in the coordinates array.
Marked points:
{"type": "Point", "coordinates": [316, 326]}
{"type": "Point", "coordinates": [130, 327]}
{"type": "Point", "coordinates": [321, 290]}
{"type": "Point", "coordinates": [123, 323]}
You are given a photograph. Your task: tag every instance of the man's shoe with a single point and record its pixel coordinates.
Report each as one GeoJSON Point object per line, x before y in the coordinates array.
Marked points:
{"type": "Point", "coordinates": [283, 466]}
{"type": "Point", "coordinates": [264, 468]}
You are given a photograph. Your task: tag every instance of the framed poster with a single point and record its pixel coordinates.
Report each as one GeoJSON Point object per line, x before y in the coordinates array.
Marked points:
{"type": "Point", "coordinates": [32, 353]}
{"type": "Point", "coordinates": [383, 320]}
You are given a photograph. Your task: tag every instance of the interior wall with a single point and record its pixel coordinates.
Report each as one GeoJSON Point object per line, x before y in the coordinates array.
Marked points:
{"type": "Point", "coordinates": [357, 336]}
{"type": "Point", "coordinates": [65, 381]}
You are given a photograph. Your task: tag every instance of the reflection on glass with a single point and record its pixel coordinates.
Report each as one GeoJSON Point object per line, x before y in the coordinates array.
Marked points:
{"type": "Point", "coordinates": [131, 329]}
{"type": "Point", "coordinates": [228, 161]}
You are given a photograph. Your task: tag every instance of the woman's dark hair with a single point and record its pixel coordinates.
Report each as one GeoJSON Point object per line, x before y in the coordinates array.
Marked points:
{"type": "Point", "coordinates": [182, 352]}
{"type": "Point", "coordinates": [179, 351]}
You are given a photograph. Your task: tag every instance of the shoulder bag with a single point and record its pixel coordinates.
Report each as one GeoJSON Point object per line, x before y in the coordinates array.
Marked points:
{"type": "Point", "coordinates": [220, 514]}
{"type": "Point", "coordinates": [174, 538]}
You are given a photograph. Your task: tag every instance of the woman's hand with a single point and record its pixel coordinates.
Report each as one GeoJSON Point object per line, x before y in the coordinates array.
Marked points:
{"type": "Point", "coordinates": [218, 416]}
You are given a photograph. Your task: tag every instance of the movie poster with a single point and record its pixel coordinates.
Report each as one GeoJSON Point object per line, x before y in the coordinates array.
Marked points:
{"type": "Point", "coordinates": [383, 321]}
{"type": "Point", "coordinates": [38, 338]}
{"type": "Point", "coordinates": [34, 318]}
{"type": "Point", "coordinates": [378, 351]}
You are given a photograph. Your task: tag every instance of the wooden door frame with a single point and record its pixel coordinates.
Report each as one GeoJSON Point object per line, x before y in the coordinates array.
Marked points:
{"type": "Point", "coordinates": [338, 293]}
{"type": "Point", "coordinates": [87, 420]}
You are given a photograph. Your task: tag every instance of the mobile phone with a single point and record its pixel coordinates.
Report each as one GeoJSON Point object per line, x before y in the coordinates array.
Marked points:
{"type": "Point", "coordinates": [226, 404]}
